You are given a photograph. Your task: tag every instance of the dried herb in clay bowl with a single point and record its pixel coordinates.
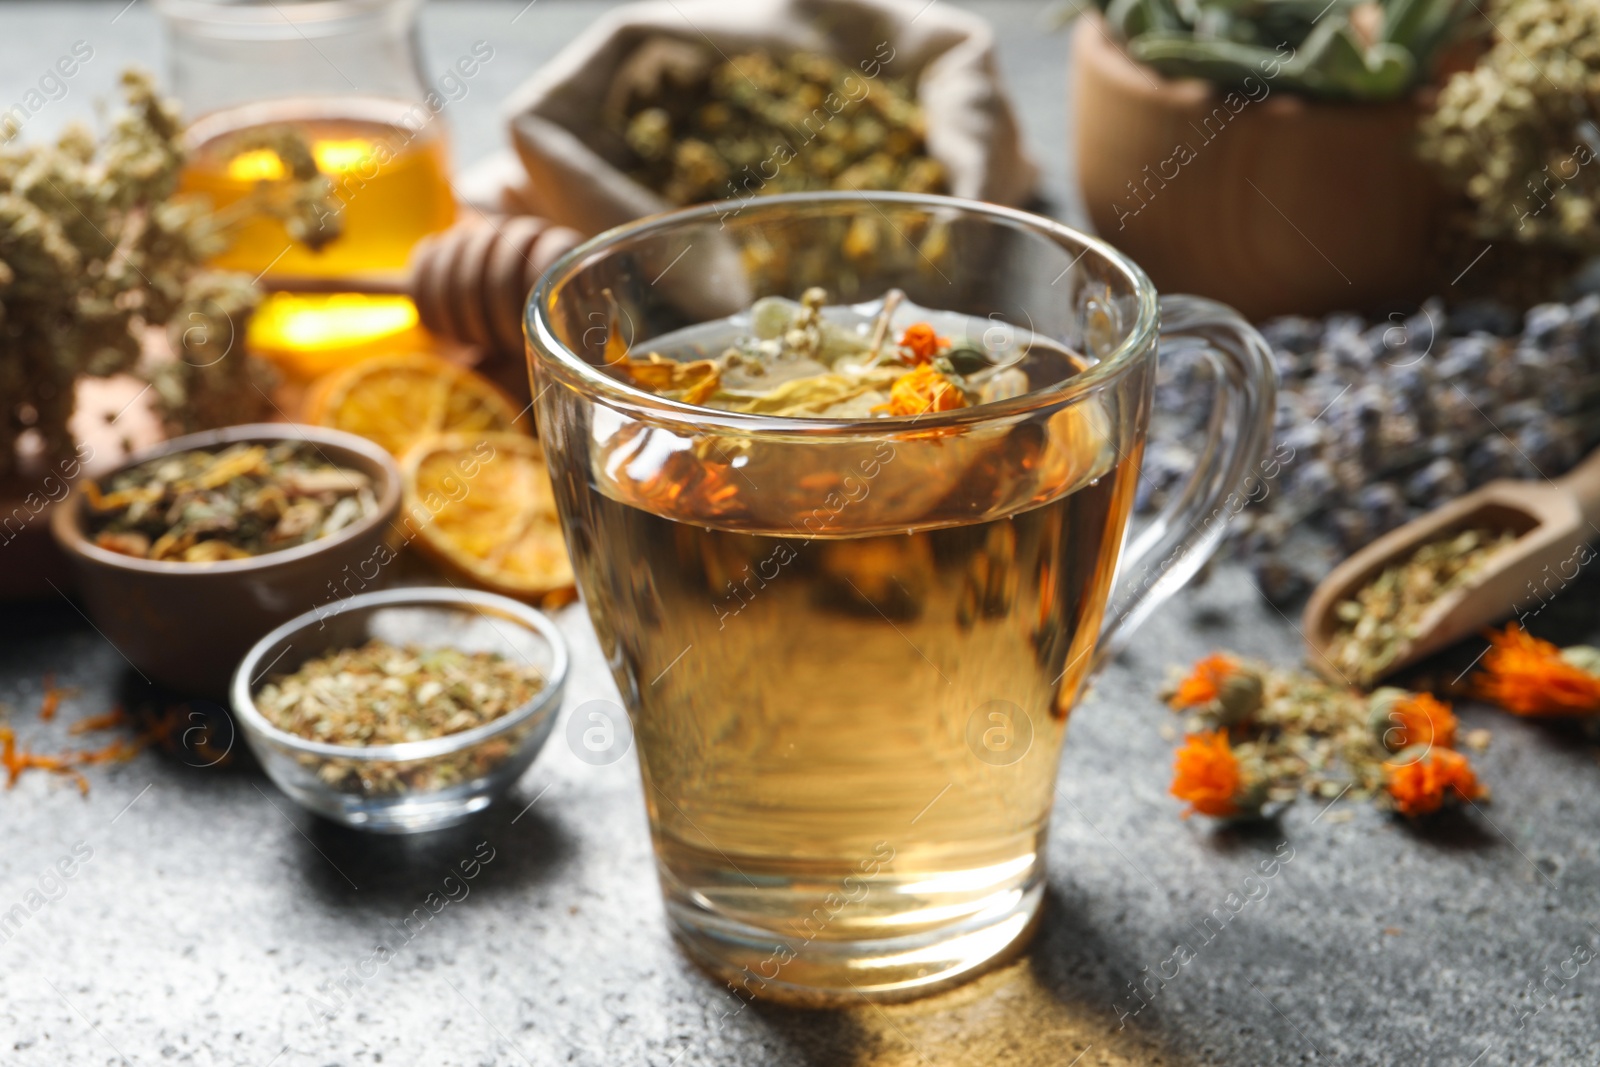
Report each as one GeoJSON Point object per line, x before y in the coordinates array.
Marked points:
{"type": "Point", "coordinates": [188, 553]}
{"type": "Point", "coordinates": [233, 503]}
{"type": "Point", "coordinates": [404, 710]}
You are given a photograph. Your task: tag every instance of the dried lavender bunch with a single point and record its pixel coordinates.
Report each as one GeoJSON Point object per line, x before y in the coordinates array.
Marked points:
{"type": "Point", "coordinates": [1516, 134]}
{"type": "Point", "coordinates": [1379, 422]}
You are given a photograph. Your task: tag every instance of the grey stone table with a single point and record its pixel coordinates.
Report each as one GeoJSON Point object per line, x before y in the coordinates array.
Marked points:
{"type": "Point", "coordinates": [207, 920]}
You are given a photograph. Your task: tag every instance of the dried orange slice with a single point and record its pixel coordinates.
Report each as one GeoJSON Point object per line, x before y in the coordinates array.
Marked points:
{"type": "Point", "coordinates": [397, 400]}
{"type": "Point", "coordinates": [481, 505]}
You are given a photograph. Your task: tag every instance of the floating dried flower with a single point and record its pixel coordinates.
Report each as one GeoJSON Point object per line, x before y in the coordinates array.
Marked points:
{"type": "Point", "coordinates": [1400, 719]}
{"type": "Point", "coordinates": [922, 391]}
{"type": "Point", "coordinates": [1528, 676]}
{"type": "Point", "coordinates": [922, 342]}
{"type": "Point", "coordinates": [1420, 781]}
{"type": "Point", "coordinates": [1208, 776]}
{"type": "Point", "coordinates": [692, 383]}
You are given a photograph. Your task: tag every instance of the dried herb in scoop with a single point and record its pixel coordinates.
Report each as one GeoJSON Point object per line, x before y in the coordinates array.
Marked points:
{"type": "Point", "coordinates": [242, 501]}
{"type": "Point", "coordinates": [1386, 612]}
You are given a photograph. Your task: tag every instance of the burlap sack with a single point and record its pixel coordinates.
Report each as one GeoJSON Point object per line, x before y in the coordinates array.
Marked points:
{"type": "Point", "coordinates": [572, 156]}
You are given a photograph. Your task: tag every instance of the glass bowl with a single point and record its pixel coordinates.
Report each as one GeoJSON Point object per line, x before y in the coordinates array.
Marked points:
{"type": "Point", "coordinates": [414, 785]}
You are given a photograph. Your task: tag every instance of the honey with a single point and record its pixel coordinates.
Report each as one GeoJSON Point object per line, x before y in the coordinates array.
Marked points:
{"type": "Point", "coordinates": [389, 170]}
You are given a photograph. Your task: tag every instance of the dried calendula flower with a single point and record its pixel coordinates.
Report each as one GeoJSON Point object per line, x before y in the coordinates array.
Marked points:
{"type": "Point", "coordinates": [1529, 676]}
{"type": "Point", "coordinates": [1208, 775]}
{"type": "Point", "coordinates": [245, 500]}
{"type": "Point", "coordinates": [1386, 612]}
{"type": "Point", "coordinates": [1400, 719]}
{"type": "Point", "coordinates": [922, 391]}
{"type": "Point", "coordinates": [692, 383]}
{"type": "Point", "coordinates": [1421, 780]}
{"type": "Point", "coordinates": [1203, 683]}
{"type": "Point", "coordinates": [1220, 688]}
{"type": "Point", "coordinates": [1304, 735]}
{"type": "Point", "coordinates": [922, 342]}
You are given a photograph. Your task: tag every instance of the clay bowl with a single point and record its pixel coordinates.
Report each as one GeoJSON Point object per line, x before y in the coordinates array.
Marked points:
{"type": "Point", "coordinates": [187, 625]}
{"type": "Point", "coordinates": [1266, 201]}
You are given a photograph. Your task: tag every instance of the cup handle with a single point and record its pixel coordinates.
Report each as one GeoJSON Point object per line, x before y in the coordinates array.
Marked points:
{"type": "Point", "coordinates": [1179, 540]}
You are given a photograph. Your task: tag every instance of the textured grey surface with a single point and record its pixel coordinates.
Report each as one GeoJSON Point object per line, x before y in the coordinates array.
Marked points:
{"type": "Point", "coordinates": [214, 923]}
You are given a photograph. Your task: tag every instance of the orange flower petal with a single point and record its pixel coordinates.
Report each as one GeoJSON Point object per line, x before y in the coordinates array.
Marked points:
{"type": "Point", "coordinates": [1527, 676]}
{"type": "Point", "coordinates": [1204, 683]}
{"type": "Point", "coordinates": [922, 391]}
{"type": "Point", "coordinates": [1423, 719]}
{"type": "Point", "coordinates": [1206, 775]}
{"type": "Point", "coordinates": [923, 344]}
{"type": "Point", "coordinates": [1421, 786]}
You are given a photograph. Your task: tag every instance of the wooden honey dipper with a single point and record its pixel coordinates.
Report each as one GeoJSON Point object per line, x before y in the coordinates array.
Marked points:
{"type": "Point", "coordinates": [469, 282]}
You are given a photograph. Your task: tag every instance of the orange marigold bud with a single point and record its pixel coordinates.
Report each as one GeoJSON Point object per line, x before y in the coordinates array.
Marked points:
{"type": "Point", "coordinates": [1421, 785]}
{"type": "Point", "coordinates": [1206, 774]}
{"type": "Point", "coordinates": [1401, 719]}
{"type": "Point", "coordinates": [923, 344]}
{"type": "Point", "coordinates": [922, 391]}
{"type": "Point", "coordinates": [1204, 683]}
{"type": "Point", "coordinates": [1528, 676]}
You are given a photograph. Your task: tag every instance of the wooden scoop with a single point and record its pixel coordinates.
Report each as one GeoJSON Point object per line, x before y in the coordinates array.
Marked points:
{"type": "Point", "coordinates": [1554, 522]}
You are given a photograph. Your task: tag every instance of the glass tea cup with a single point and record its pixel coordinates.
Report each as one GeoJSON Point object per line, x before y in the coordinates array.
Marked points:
{"type": "Point", "coordinates": [849, 647]}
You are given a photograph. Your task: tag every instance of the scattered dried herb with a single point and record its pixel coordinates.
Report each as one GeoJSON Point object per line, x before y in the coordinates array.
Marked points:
{"type": "Point", "coordinates": [1262, 736]}
{"type": "Point", "coordinates": [243, 501]}
{"type": "Point", "coordinates": [16, 759]}
{"type": "Point", "coordinates": [1532, 677]}
{"type": "Point", "coordinates": [383, 694]}
{"type": "Point", "coordinates": [1384, 614]}
{"type": "Point", "coordinates": [701, 126]}
{"type": "Point", "coordinates": [50, 702]}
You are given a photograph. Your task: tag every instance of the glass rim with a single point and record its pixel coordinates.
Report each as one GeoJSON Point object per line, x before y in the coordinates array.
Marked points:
{"type": "Point", "coordinates": [231, 19]}
{"type": "Point", "coordinates": [593, 383]}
